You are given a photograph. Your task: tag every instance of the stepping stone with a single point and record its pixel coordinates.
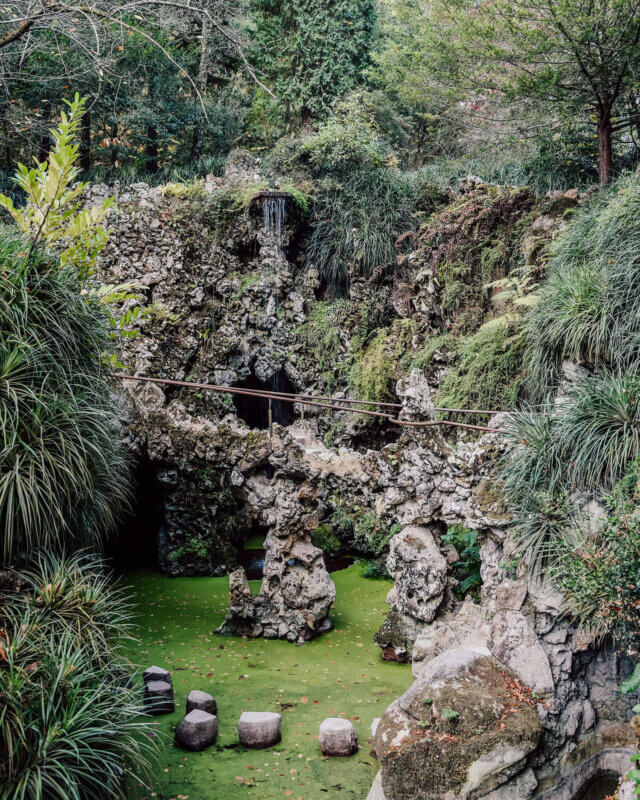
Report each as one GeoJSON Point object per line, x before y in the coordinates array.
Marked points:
{"type": "Point", "coordinates": [259, 729]}
{"type": "Point", "coordinates": [338, 737]}
{"type": "Point", "coordinates": [374, 726]}
{"type": "Point", "coordinates": [201, 701]}
{"type": "Point", "coordinates": [156, 674]}
{"type": "Point", "coordinates": [158, 698]}
{"type": "Point", "coordinates": [197, 731]}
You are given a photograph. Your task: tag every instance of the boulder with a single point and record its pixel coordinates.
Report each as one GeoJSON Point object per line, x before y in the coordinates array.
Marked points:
{"type": "Point", "coordinates": [259, 729]}
{"type": "Point", "coordinates": [420, 573]}
{"type": "Point", "coordinates": [156, 674]}
{"type": "Point", "coordinates": [513, 641]}
{"type": "Point", "coordinates": [158, 698]}
{"type": "Point", "coordinates": [338, 737]}
{"type": "Point", "coordinates": [197, 731]}
{"type": "Point", "coordinates": [469, 629]}
{"type": "Point", "coordinates": [201, 701]}
{"type": "Point", "coordinates": [463, 729]}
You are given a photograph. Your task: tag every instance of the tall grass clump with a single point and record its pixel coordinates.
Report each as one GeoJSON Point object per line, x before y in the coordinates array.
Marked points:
{"type": "Point", "coordinates": [356, 224]}
{"type": "Point", "coordinates": [62, 468]}
{"type": "Point", "coordinates": [567, 453]}
{"type": "Point", "coordinates": [589, 309]}
{"type": "Point", "coordinates": [70, 717]}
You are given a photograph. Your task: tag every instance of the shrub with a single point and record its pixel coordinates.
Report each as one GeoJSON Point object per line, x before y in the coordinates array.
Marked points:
{"type": "Point", "coordinates": [63, 473]}
{"type": "Point", "coordinates": [597, 566]}
{"type": "Point", "coordinates": [70, 723]}
{"type": "Point", "coordinates": [589, 308]}
{"type": "Point", "coordinates": [585, 442]}
{"type": "Point", "coordinates": [467, 568]}
{"type": "Point", "coordinates": [355, 225]}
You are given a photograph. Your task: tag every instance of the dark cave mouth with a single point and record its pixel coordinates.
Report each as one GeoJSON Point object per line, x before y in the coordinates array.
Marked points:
{"type": "Point", "coordinates": [255, 410]}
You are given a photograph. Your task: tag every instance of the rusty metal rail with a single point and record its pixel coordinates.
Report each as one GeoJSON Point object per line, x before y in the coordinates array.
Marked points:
{"type": "Point", "coordinates": [318, 401]}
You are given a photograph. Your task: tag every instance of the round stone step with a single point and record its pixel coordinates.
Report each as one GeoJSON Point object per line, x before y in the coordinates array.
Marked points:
{"type": "Point", "coordinates": [338, 737]}
{"type": "Point", "coordinates": [201, 701]}
{"type": "Point", "coordinates": [156, 674]}
{"type": "Point", "coordinates": [259, 729]}
{"type": "Point", "coordinates": [197, 731]}
{"type": "Point", "coordinates": [158, 698]}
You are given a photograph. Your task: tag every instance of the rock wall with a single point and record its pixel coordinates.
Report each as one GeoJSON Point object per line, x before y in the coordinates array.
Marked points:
{"type": "Point", "coordinates": [226, 303]}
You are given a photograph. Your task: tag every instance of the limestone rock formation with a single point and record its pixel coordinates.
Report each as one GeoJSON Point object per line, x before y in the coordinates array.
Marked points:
{"type": "Point", "coordinates": [420, 573]}
{"type": "Point", "coordinates": [464, 728]}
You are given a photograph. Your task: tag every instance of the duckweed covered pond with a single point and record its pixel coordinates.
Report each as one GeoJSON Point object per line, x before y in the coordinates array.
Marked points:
{"type": "Point", "coordinates": [339, 674]}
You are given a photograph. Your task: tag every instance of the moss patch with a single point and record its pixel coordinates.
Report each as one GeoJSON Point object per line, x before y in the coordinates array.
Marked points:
{"type": "Point", "coordinates": [489, 371]}
{"type": "Point", "coordinates": [339, 674]}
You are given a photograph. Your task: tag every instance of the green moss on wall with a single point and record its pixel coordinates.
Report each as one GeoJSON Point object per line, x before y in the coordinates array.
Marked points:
{"type": "Point", "coordinates": [489, 370]}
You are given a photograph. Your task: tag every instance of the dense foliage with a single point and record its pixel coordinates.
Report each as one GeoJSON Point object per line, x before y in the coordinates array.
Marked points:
{"type": "Point", "coordinates": [70, 722]}
{"type": "Point", "coordinates": [314, 51]}
{"type": "Point", "coordinates": [63, 473]}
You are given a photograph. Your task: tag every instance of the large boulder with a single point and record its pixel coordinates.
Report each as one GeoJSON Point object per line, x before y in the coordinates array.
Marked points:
{"type": "Point", "coordinates": [464, 728]}
{"type": "Point", "coordinates": [420, 573]}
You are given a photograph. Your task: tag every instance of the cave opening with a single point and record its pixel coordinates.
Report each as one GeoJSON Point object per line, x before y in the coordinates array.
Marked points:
{"type": "Point", "coordinates": [136, 541]}
{"type": "Point", "coordinates": [255, 410]}
{"type": "Point", "coordinates": [602, 786]}
{"type": "Point", "coordinates": [253, 552]}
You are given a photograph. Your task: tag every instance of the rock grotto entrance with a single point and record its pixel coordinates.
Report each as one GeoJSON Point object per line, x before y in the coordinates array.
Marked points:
{"type": "Point", "coordinates": [603, 786]}
{"type": "Point", "coordinates": [137, 540]}
{"type": "Point", "coordinates": [255, 410]}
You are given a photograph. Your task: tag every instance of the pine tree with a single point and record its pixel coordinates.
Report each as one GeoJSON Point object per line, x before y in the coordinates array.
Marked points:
{"type": "Point", "coordinates": [314, 50]}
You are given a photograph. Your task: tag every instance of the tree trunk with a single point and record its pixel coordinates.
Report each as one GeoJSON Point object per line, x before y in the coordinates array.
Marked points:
{"type": "Point", "coordinates": [605, 151]}
{"type": "Point", "coordinates": [201, 83]}
{"type": "Point", "coordinates": [306, 117]}
{"type": "Point", "coordinates": [85, 142]}
{"type": "Point", "coordinates": [151, 148]}
{"type": "Point", "coordinates": [114, 145]}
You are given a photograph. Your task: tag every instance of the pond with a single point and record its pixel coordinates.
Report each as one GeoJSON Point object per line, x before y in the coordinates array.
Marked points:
{"type": "Point", "coordinates": [338, 674]}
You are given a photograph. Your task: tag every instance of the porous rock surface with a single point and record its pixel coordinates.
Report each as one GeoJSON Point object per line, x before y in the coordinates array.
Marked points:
{"type": "Point", "coordinates": [259, 729]}
{"type": "Point", "coordinates": [337, 737]}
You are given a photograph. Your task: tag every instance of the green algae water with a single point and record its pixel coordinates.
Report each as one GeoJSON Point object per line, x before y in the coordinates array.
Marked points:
{"type": "Point", "coordinates": [339, 674]}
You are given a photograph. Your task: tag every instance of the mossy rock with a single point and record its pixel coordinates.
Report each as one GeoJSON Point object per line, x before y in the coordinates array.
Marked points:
{"type": "Point", "coordinates": [465, 727]}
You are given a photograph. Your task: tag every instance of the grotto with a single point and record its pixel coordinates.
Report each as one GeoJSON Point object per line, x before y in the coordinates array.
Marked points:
{"type": "Point", "coordinates": [319, 488]}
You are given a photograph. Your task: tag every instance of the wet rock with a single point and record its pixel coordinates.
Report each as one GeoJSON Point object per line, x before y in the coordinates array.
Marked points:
{"type": "Point", "coordinates": [197, 731]}
{"type": "Point", "coordinates": [158, 698]}
{"type": "Point", "coordinates": [338, 737]}
{"type": "Point", "coordinates": [259, 729]}
{"type": "Point", "coordinates": [459, 732]}
{"type": "Point", "coordinates": [201, 701]}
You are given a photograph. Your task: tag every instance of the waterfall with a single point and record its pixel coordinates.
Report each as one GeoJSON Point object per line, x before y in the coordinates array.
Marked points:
{"type": "Point", "coordinates": [274, 215]}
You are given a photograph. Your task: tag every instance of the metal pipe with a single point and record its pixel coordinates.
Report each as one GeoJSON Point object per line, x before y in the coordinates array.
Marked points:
{"type": "Point", "coordinates": [310, 400]}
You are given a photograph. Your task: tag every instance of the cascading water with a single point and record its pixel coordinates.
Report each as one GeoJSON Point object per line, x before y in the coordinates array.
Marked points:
{"type": "Point", "coordinates": [274, 215]}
